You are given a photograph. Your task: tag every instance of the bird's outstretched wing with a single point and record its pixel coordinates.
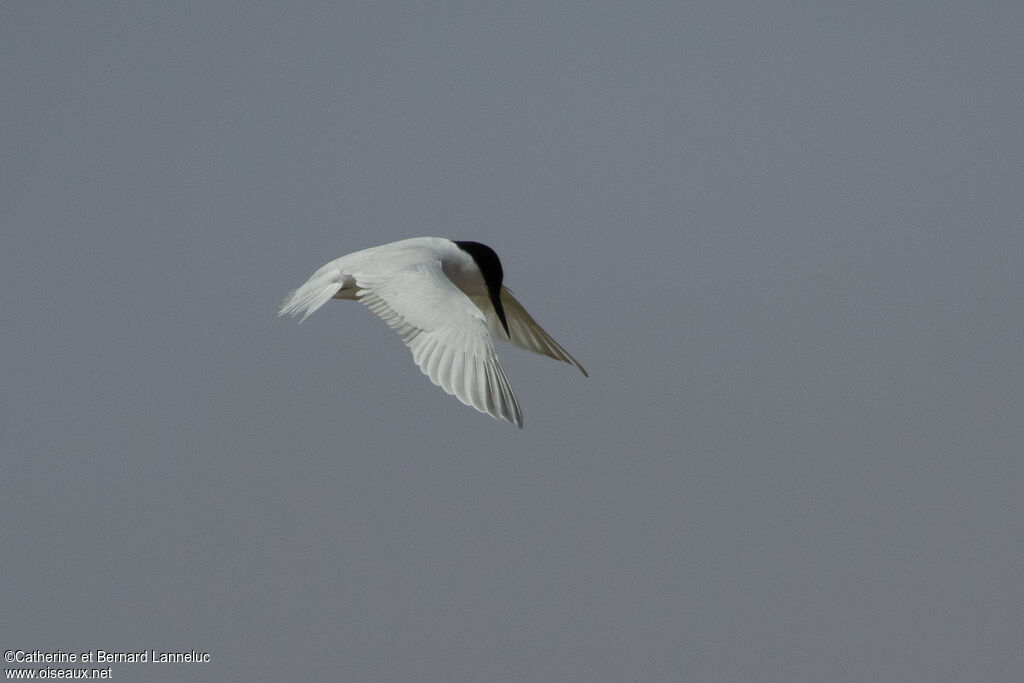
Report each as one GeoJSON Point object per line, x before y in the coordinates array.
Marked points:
{"type": "Point", "coordinates": [446, 333]}
{"type": "Point", "coordinates": [524, 331]}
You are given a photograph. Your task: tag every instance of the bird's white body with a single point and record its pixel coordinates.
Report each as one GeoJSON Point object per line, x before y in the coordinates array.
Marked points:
{"type": "Point", "coordinates": [445, 299]}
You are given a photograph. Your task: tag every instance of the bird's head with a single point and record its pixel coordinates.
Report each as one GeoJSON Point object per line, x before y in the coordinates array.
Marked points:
{"type": "Point", "coordinates": [490, 267]}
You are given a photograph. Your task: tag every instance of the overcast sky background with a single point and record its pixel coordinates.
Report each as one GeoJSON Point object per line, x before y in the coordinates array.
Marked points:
{"type": "Point", "coordinates": [784, 238]}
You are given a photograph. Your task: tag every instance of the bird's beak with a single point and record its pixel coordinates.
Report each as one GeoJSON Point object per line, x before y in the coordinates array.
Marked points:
{"type": "Point", "coordinates": [496, 300]}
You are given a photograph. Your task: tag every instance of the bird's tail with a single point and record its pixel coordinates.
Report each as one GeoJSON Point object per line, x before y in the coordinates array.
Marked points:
{"type": "Point", "coordinates": [315, 293]}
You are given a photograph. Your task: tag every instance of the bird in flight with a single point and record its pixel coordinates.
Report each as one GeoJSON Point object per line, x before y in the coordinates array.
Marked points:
{"type": "Point", "coordinates": [446, 301]}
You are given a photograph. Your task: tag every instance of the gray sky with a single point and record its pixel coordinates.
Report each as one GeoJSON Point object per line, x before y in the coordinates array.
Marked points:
{"type": "Point", "coordinates": [785, 240]}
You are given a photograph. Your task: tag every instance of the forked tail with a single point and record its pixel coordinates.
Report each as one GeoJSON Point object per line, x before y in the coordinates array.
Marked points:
{"type": "Point", "coordinates": [315, 293]}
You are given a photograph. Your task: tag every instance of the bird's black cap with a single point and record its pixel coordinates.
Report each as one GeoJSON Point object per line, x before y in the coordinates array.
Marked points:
{"type": "Point", "coordinates": [490, 266]}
